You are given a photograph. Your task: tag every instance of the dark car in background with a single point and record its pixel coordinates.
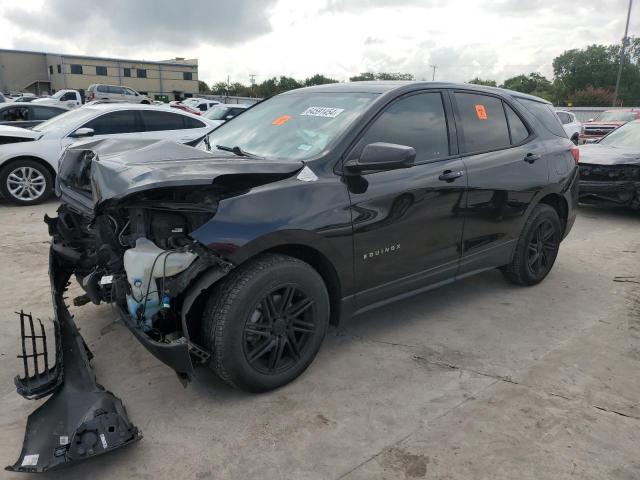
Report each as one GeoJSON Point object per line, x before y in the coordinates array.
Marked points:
{"type": "Point", "coordinates": [27, 115]}
{"type": "Point", "coordinates": [594, 129]}
{"type": "Point", "coordinates": [610, 169]}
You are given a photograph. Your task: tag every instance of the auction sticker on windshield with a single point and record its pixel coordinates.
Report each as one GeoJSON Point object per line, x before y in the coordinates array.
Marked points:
{"type": "Point", "coordinates": [327, 112]}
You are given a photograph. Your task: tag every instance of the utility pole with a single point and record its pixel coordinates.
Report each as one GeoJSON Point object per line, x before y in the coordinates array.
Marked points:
{"type": "Point", "coordinates": [252, 80]}
{"type": "Point", "coordinates": [625, 43]}
{"type": "Point", "coordinates": [433, 76]}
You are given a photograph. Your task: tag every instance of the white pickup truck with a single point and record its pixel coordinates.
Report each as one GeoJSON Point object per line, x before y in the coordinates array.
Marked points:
{"type": "Point", "coordinates": [62, 98]}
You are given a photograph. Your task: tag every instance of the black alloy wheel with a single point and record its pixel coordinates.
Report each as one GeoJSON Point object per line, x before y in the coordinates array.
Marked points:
{"type": "Point", "coordinates": [265, 322]}
{"type": "Point", "coordinates": [542, 248]}
{"type": "Point", "coordinates": [277, 333]}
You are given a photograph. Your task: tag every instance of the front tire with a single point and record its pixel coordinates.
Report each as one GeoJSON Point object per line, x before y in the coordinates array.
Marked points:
{"type": "Point", "coordinates": [25, 182]}
{"type": "Point", "coordinates": [537, 247]}
{"type": "Point", "coordinates": [265, 323]}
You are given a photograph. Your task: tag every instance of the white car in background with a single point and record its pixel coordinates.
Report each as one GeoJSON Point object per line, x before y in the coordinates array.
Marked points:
{"type": "Point", "coordinates": [224, 112]}
{"type": "Point", "coordinates": [571, 124]}
{"type": "Point", "coordinates": [29, 158]}
{"type": "Point", "coordinates": [201, 104]}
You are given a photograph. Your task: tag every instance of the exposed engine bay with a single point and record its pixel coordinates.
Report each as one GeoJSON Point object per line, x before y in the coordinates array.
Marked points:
{"type": "Point", "coordinates": [123, 230]}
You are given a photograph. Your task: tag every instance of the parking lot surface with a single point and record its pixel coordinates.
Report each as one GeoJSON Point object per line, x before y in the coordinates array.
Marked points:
{"type": "Point", "coordinates": [476, 380]}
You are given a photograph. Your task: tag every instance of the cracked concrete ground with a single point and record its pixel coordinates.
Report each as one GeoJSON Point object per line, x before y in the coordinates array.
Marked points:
{"type": "Point", "coordinates": [477, 380]}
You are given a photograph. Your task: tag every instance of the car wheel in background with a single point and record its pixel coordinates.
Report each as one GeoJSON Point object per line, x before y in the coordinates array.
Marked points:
{"type": "Point", "coordinates": [265, 323]}
{"type": "Point", "coordinates": [25, 182]}
{"type": "Point", "coordinates": [537, 247]}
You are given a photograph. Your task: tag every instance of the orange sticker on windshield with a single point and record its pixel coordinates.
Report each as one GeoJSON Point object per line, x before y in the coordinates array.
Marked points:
{"type": "Point", "coordinates": [281, 120]}
{"type": "Point", "coordinates": [481, 112]}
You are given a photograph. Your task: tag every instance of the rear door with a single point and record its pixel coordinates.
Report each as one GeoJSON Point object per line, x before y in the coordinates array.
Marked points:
{"type": "Point", "coordinates": [506, 167]}
{"type": "Point", "coordinates": [407, 223]}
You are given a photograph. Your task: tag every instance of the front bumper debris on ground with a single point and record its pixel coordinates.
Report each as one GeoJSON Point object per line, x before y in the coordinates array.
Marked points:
{"type": "Point", "coordinates": [81, 419]}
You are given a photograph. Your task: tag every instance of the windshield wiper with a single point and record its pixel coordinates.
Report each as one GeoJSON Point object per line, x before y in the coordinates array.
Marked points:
{"type": "Point", "coordinates": [238, 151]}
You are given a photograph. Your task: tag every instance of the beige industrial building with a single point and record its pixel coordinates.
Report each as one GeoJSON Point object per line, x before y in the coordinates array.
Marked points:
{"type": "Point", "coordinates": [45, 73]}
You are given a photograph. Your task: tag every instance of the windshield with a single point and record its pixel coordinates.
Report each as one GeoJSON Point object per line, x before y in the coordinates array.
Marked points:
{"type": "Point", "coordinates": [627, 136]}
{"type": "Point", "coordinates": [616, 116]}
{"type": "Point", "coordinates": [58, 95]}
{"type": "Point", "coordinates": [216, 113]}
{"type": "Point", "coordinates": [293, 126]}
{"type": "Point", "coordinates": [67, 120]}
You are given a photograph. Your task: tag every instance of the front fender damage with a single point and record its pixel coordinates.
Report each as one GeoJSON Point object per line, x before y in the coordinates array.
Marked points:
{"type": "Point", "coordinates": [81, 419]}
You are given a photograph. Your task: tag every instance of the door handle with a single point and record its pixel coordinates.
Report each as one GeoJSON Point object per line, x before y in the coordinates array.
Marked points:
{"type": "Point", "coordinates": [531, 157]}
{"type": "Point", "coordinates": [450, 176]}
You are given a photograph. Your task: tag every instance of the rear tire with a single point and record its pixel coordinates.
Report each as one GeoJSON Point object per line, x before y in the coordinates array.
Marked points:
{"type": "Point", "coordinates": [266, 321]}
{"type": "Point", "coordinates": [25, 182]}
{"type": "Point", "coordinates": [537, 247]}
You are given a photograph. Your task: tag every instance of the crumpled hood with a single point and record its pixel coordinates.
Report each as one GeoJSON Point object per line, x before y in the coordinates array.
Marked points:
{"type": "Point", "coordinates": [597, 154]}
{"type": "Point", "coordinates": [114, 168]}
{"type": "Point", "coordinates": [9, 131]}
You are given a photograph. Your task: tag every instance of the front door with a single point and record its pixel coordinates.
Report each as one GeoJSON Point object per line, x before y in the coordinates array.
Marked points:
{"type": "Point", "coordinates": [407, 223]}
{"type": "Point", "coordinates": [506, 168]}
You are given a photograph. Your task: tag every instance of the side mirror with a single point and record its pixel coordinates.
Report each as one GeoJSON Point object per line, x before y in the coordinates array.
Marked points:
{"type": "Point", "coordinates": [228, 117]}
{"type": "Point", "coordinates": [382, 156]}
{"type": "Point", "coordinates": [82, 133]}
{"type": "Point", "coordinates": [591, 120]}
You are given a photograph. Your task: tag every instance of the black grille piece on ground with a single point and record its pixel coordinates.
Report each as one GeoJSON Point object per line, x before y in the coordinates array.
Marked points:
{"type": "Point", "coordinates": [81, 419]}
{"type": "Point", "coordinates": [38, 382]}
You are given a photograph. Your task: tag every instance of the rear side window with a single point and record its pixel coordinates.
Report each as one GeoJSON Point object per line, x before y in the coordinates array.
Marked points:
{"type": "Point", "coordinates": [44, 113]}
{"type": "Point", "coordinates": [121, 121]}
{"type": "Point", "coordinates": [416, 121]}
{"type": "Point", "coordinates": [14, 114]}
{"type": "Point", "coordinates": [156, 121]}
{"type": "Point", "coordinates": [545, 115]}
{"type": "Point", "coordinates": [483, 122]}
{"type": "Point", "coordinates": [564, 117]}
{"type": "Point", "coordinates": [519, 131]}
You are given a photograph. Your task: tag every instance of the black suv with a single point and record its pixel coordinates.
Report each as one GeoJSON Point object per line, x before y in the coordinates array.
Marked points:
{"type": "Point", "coordinates": [312, 206]}
{"type": "Point", "coordinates": [308, 208]}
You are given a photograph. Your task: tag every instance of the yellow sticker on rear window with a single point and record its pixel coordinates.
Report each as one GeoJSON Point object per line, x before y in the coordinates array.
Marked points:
{"type": "Point", "coordinates": [481, 112]}
{"type": "Point", "coordinates": [281, 120]}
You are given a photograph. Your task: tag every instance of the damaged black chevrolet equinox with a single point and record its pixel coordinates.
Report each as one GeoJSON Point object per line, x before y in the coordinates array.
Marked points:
{"type": "Point", "coordinates": [310, 207]}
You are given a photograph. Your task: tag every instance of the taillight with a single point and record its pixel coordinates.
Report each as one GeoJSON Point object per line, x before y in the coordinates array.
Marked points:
{"type": "Point", "coordinates": [575, 151]}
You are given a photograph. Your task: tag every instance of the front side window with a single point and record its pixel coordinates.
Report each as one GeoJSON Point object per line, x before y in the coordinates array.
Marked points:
{"type": "Point", "coordinates": [483, 122]}
{"type": "Point", "coordinates": [76, 69]}
{"type": "Point", "coordinates": [416, 121]}
{"type": "Point", "coordinates": [68, 96]}
{"type": "Point", "coordinates": [14, 114]}
{"type": "Point", "coordinates": [121, 121]}
{"type": "Point", "coordinates": [293, 126]}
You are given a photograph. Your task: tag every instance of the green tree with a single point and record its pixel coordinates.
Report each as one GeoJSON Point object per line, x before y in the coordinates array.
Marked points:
{"type": "Point", "coordinates": [318, 79]}
{"type": "Point", "coordinates": [381, 76]}
{"type": "Point", "coordinates": [367, 76]}
{"type": "Point", "coordinates": [591, 97]}
{"type": "Point", "coordinates": [479, 81]}
{"type": "Point", "coordinates": [203, 87]}
{"type": "Point", "coordinates": [533, 84]}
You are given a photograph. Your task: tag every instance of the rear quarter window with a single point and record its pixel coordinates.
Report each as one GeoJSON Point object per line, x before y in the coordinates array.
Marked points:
{"type": "Point", "coordinates": [545, 114]}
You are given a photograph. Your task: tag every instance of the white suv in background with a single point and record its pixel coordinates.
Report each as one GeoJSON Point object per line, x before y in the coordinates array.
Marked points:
{"type": "Point", "coordinates": [115, 93]}
{"type": "Point", "coordinates": [571, 124]}
{"type": "Point", "coordinates": [29, 158]}
{"type": "Point", "coordinates": [202, 104]}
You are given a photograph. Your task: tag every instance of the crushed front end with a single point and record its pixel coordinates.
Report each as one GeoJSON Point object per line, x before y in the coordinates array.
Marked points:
{"type": "Point", "coordinates": [616, 184]}
{"type": "Point", "coordinates": [123, 231]}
